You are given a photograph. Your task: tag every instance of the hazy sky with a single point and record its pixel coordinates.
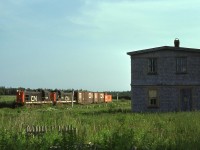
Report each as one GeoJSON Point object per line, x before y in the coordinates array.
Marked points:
{"type": "Point", "coordinates": [82, 44]}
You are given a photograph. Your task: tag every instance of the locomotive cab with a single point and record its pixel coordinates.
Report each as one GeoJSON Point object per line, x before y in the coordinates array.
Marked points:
{"type": "Point", "coordinates": [20, 97]}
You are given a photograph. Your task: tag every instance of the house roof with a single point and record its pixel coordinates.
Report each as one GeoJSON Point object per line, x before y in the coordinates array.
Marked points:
{"type": "Point", "coordinates": [164, 48]}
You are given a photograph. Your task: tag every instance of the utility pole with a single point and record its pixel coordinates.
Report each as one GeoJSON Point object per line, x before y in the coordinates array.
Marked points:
{"type": "Point", "coordinates": [117, 97]}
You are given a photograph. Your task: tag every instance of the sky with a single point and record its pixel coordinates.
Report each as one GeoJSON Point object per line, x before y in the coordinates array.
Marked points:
{"type": "Point", "coordinates": [83, 44]}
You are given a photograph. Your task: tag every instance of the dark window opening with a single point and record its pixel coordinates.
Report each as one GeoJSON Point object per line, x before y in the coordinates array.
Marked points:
{"type": "Point", "coordinates": [26, 97]}
{"type": "Point", "coordinates": [153, 101]}
{"type": "Point", "coordinates": [181, 65]}
{"type": "Point", "coordinates": [152, 66]}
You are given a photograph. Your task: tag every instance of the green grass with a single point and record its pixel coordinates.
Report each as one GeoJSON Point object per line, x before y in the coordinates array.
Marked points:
{"type": "Point", "coordinates": [7, 98]}
{"type": "Point", "coordinates": [100, 126]}
{"type": "Point", "coordinates": [7, 101]}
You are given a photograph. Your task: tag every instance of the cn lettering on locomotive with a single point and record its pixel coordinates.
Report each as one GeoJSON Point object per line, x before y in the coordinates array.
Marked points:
{"type": "Point", "coordinates": [33, 98]}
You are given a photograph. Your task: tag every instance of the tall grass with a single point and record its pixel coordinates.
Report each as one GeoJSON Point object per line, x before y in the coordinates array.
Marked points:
{"type": "Point", "coordinates": [7, 98]}
{"type": "Point", "coordinates": [101, 126]}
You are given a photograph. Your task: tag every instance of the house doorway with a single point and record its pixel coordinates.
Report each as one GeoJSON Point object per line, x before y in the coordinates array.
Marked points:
{"type": "Point", "coordinates": [186, 99]}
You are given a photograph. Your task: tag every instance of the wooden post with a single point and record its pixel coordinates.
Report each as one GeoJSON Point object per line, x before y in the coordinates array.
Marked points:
{"type": "Point", "coordinates": [36, 130]}
{"type": "Point", "coordinates": [43, 130]}
{"type": "Point", "coordinates": [28, 130]}
{"type": "Point", "coordinates": [72, 98]}
{"type": "Point", "coordinates": [76, 131]}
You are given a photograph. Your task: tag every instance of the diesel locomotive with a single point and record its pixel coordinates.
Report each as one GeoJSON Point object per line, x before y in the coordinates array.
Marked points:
{"type": "Point", "coordinates": [58, 96]}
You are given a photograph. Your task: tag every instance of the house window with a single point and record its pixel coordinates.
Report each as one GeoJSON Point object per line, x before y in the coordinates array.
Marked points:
{"type": "Point", "coordinates": [153, 98]}
{"type": "Point", "coordinates": [152, 66]}
{"type": "Point", "coordinates": [181, 65]}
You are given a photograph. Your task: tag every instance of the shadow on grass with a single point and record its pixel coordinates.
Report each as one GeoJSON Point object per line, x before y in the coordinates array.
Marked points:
{"type": "Point", "coordinates": [109, 111]}
{"type": "Point", "coordinates": [8, 104]}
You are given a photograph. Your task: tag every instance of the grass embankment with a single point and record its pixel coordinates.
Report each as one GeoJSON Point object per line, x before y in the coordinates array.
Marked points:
{"type": "Point", "coordinates": [100, 126]}
{"type": "Point", "coordinates": [7, 101]}
{"type": "Point", "coordinates": [5, 98]}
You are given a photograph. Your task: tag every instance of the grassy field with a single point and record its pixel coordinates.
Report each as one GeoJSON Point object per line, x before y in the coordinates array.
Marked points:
{"type": "Point", "coordinates": [7, 101]}
{"type": "Point", "coordinates": [99, 126]}
{"type": "Point", "coordinates": [5, 98]}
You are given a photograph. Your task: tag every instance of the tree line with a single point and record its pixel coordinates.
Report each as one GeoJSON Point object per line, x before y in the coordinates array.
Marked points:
{"type": "Point", "coordinates": [7, 91]}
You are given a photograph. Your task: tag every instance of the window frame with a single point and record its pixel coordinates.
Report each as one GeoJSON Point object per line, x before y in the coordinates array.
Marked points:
{"type": "Point", "coordinates": [152, 66]}
{"type": "Point", "coordinates": [155, 99]}
{"type": "Point", "coordinates": [181, 65]}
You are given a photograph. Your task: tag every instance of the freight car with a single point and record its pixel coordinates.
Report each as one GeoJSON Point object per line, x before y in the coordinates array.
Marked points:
{"type": "Point", "coordinates": [59, 96]}
{"type": "Point", "coordinates": [82, 97]}
{"type": "Point", "coordinates": [62, 97]}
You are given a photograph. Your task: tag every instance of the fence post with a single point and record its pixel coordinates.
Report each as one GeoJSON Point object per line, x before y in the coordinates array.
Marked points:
{"type": "Point", "coordinates": [33, 129]}
{"type": "Point", "coordinates": [27, 129]}
{"type": "Point", "coordinates": [36, 130]}
{"type": "Point", "coordinates": [43, 129]}
{"type": "Point", "coordinates": [72, 98]}
{"type": "Point", "coordinates": [76, 131]}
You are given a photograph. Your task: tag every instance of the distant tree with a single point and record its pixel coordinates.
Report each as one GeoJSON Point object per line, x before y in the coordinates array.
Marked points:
{"type": "Point", "coordinates": [2, 90]}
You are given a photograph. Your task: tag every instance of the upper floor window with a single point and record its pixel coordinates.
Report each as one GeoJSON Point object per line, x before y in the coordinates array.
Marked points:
{"type": "Point", "coordinates": [152, 65]}
{"type": "Point", "coordinates": [181, 65]}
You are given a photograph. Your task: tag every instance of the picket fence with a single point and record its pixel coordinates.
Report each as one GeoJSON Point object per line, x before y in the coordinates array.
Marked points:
{"type": "Point", "coordinates": [40, 130]}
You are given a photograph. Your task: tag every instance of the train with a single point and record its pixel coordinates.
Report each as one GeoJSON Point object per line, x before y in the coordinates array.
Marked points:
{"type": "Point", "coordinates": [59, 96]}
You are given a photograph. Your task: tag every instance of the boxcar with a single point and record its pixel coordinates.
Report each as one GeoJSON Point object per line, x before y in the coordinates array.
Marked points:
{"type": "Point", "coordinates": [101, 97]}
{"type": "Point", "coordinates": [95, 97]}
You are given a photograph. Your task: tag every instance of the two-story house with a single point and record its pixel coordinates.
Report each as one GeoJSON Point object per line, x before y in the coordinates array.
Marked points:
{"type": "Point", "coordinates": [165, 79]}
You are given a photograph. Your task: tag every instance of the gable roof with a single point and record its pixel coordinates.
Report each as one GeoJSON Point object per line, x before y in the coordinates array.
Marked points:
{"type": "Point", "coordinates": [164, 48]}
